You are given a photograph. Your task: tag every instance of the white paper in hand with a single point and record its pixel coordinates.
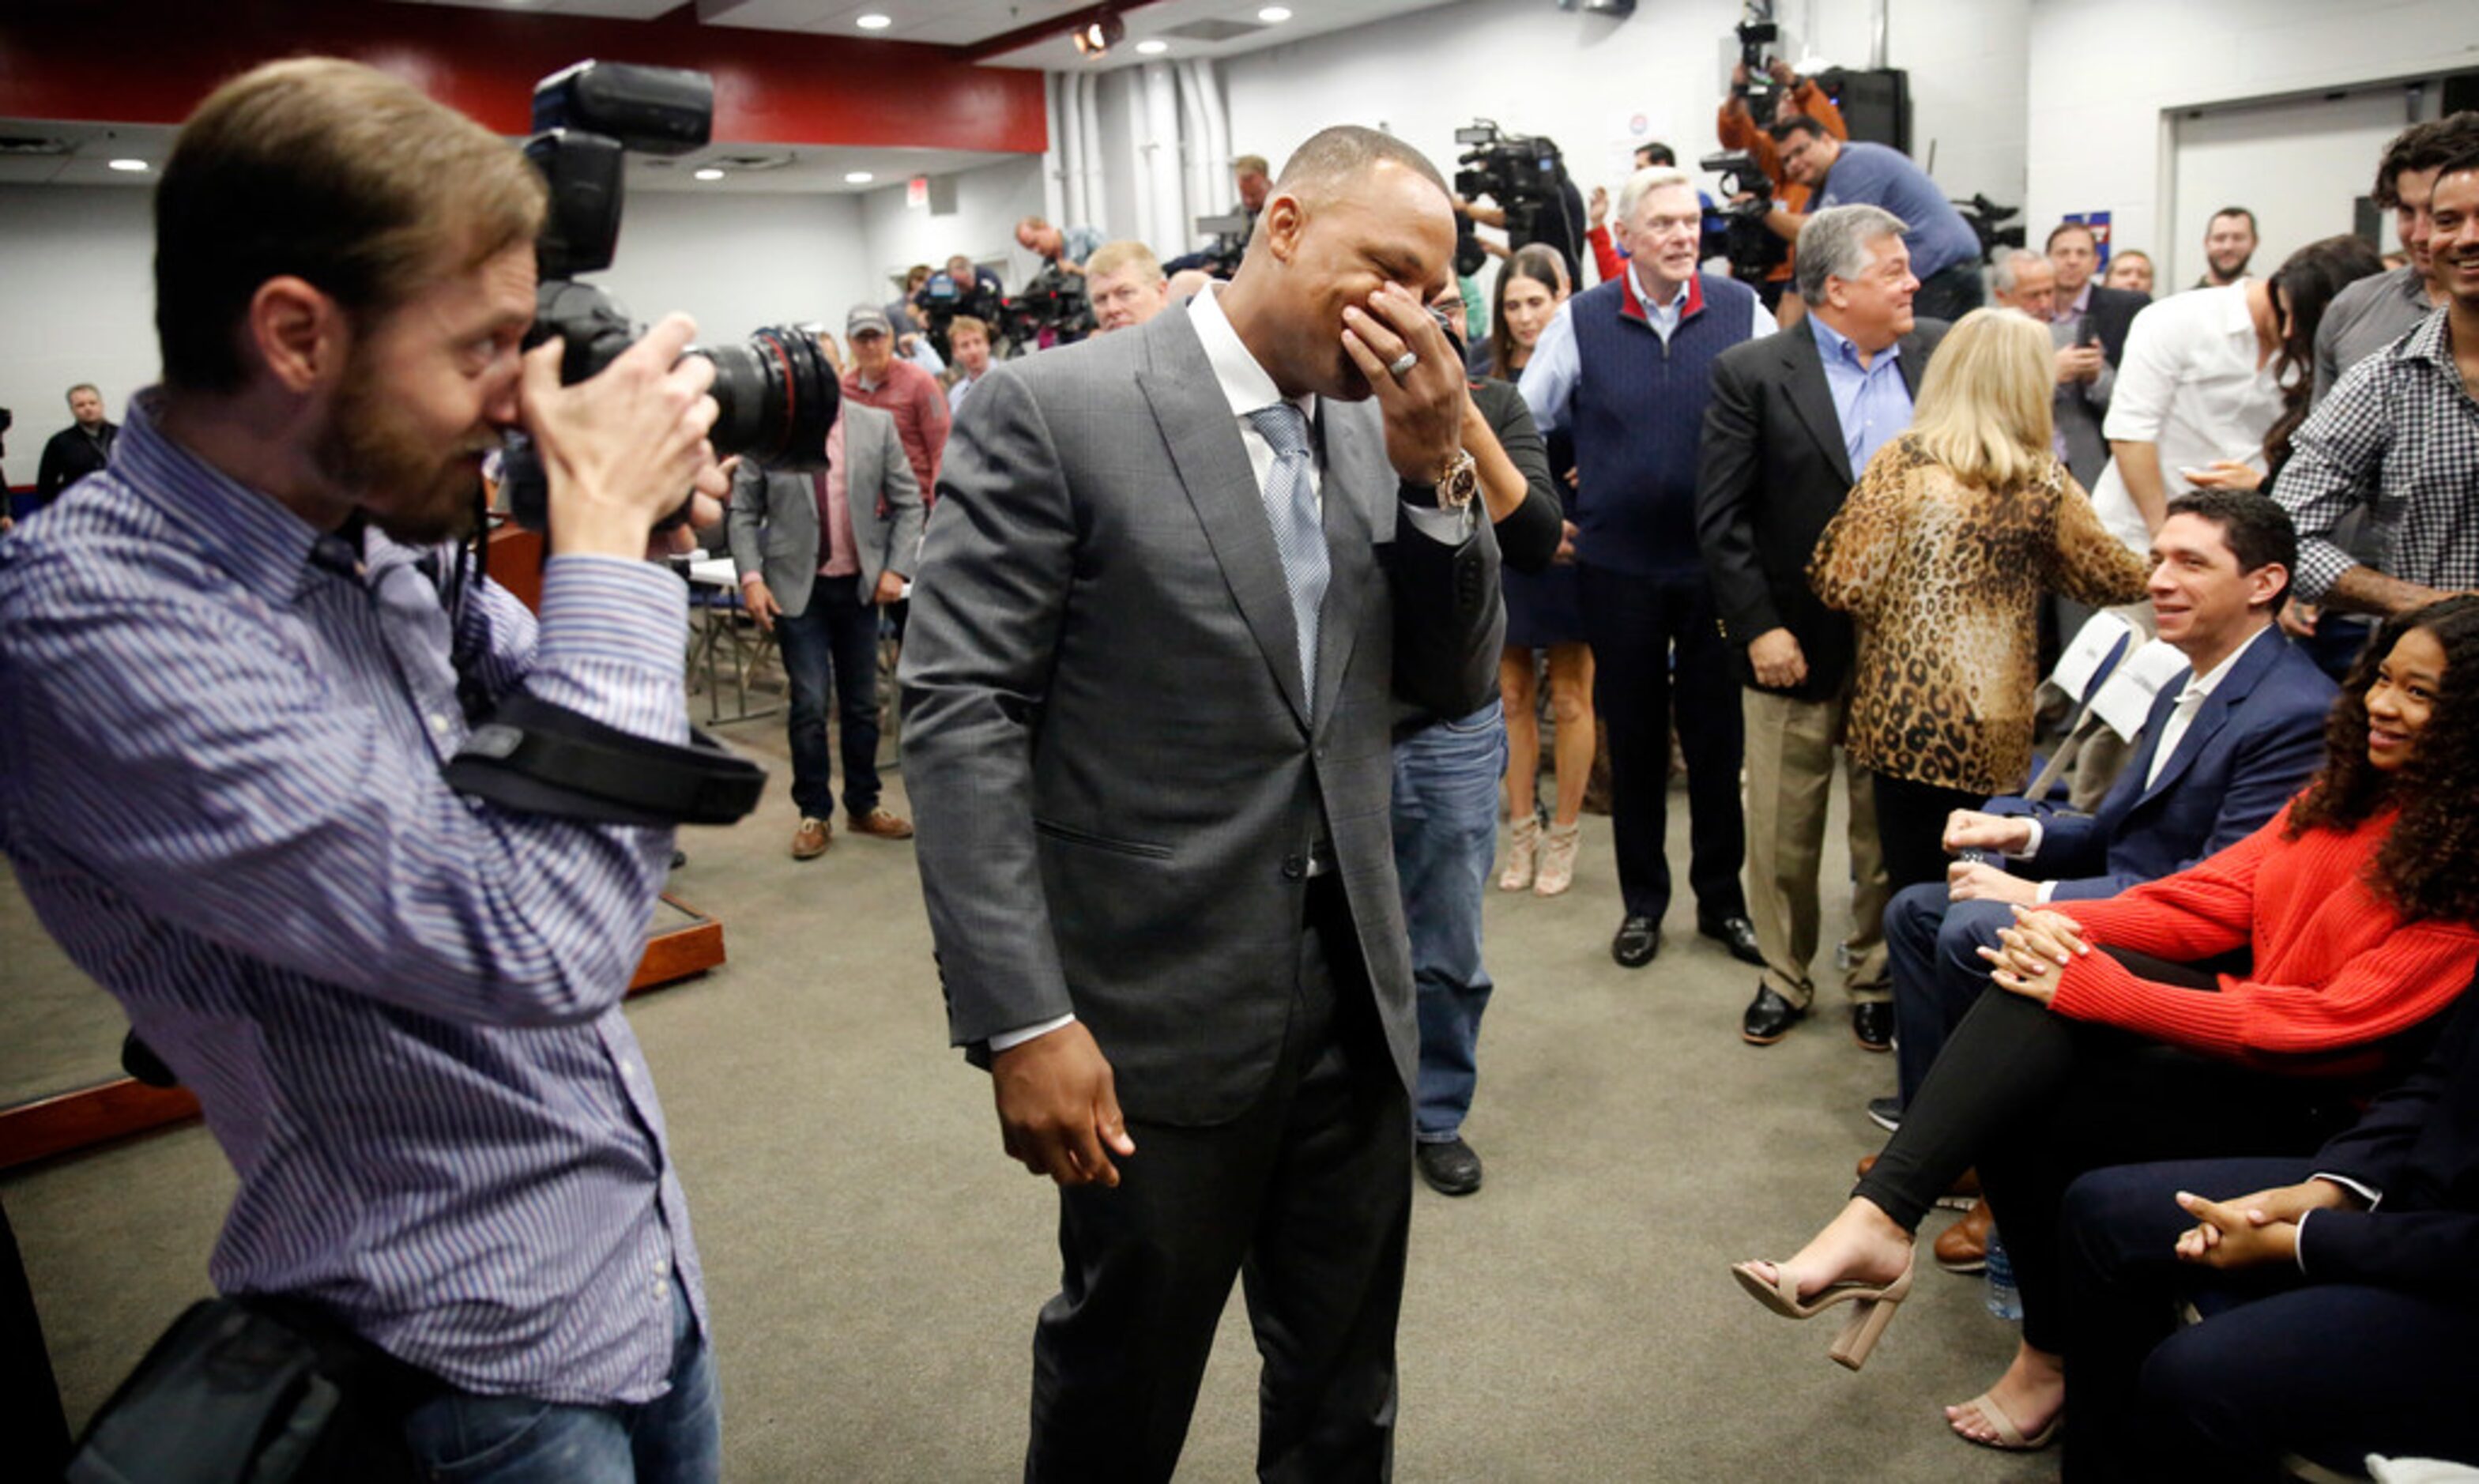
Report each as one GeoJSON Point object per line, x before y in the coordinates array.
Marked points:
{"type": "Point", "coordinates": [2125, 698]}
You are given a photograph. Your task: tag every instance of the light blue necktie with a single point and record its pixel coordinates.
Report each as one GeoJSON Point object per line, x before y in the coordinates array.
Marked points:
{"type": "Point", "coordinates": [1299, 535]}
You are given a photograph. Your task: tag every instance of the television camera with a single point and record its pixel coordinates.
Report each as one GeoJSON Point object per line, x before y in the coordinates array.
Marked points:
{"type": "Point", "coordinates": [1736, 229]}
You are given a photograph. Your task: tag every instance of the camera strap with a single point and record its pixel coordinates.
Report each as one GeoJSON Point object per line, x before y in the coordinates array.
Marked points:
{"type": "Point", "coordinates": [531, 755]}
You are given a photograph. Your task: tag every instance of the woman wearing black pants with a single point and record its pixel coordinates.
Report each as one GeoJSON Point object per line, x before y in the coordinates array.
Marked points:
{"type": "Point", "coordinates": [1941, 556]}
{"type": "Point", "coordinates": [2358, 903]}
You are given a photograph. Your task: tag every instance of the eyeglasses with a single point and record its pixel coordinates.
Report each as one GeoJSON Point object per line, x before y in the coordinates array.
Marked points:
{"type": "Point", "coordinates": [1448, 316]}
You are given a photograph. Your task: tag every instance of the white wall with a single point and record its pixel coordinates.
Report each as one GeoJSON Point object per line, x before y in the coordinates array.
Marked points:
{"type": "Point", "coordinates": [989, 201]}
{"type": "Point", "coordinates": [1583, 80]}
{"type": "Point", "coordinates": [77, 295]}
{"type": "Point", "coordinates": [2103, 71]}
{"type": "Point", "coordinates": [77, 283]}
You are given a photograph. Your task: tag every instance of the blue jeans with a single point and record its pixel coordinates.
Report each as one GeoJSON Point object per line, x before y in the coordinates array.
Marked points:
{"type": "Point", "coordinates": [675, 1439]}
{"type": "Point", "coordinates": [1446, 832]}
{"type": "Point", "coordinates": [836, 631]}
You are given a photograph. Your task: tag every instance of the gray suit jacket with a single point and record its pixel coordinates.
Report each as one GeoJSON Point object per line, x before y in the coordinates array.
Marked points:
{"type": "Point", "coordinates": [1115, 775]}
{"type": "Point", "coordinates": [2082, 407]}
{"type": "Point", "coordinates": [773, 523]}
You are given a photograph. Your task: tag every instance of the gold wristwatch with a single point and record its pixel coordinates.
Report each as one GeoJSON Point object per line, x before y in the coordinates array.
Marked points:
{"type": "Point", "coordinates": [1458, 483]}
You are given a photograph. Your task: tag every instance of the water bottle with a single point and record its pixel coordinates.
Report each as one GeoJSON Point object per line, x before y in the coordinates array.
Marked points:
{"type": "Point", "coordinates": [2004, 1300]}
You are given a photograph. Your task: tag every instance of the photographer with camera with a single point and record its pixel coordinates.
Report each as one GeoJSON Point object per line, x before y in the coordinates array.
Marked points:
{"type": "Point", "coordinates": [230, 684]}
{"type": "Point", "coordinates": [1738, 129]}
{"type": "Point", "coordinates": [1945, 251]}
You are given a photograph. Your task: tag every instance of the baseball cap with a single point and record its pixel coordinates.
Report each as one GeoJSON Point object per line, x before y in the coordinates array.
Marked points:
{"type": "Point", "coordinates": [866, 320]}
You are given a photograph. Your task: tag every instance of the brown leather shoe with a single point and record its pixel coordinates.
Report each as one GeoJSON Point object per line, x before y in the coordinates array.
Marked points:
{"type": "Point", "coordinates": [1964, 1194]}
{"type": "Point", "coordinates": [1963, 1247]}
{"type": "Point", "coordinates": [881, 824]}
{"type": "Point", "coordinates": [810, 840]}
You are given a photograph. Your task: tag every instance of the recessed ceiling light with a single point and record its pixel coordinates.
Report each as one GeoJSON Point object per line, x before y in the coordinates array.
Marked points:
{"type": "Point", "coordinates": [1152, 48]}
{"type": "Point", "coordinates": [1273, 14]}
{"type": "Point", "coordinates": [708, 174]}
{"type": "Point", "coordinates": [129, 164]}
{"type": "Point", "coordinates": [858, 177]}
{"type": "Point", "coordinates": [873, 21]}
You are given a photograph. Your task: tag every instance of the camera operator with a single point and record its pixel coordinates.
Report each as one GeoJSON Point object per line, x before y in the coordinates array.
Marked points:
{"type": "Point", "coordinates": [1061, 249]}
{"type": "Point", "coordinates": [1560, 221]}
{"type": "Point", "coordinates": [1944, 249]}
{"type": "Point", "coordinates": [227, 688]}
{"type": "Point", "coordinates": [1738, 129]}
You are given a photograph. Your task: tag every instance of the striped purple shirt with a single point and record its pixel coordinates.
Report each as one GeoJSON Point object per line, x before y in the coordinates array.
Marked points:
{"type": "Point", "coordinates": [219, 755]}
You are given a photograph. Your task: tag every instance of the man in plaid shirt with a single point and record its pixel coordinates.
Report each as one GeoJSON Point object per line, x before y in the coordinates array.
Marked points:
{"type": "Point", "coordinates": [2400, 435]}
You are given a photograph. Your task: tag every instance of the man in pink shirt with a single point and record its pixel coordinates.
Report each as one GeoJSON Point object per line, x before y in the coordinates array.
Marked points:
{"type": "Point", "coordinates": [819, 554]}
{"type": "Point", "coordinates": [878, 379]}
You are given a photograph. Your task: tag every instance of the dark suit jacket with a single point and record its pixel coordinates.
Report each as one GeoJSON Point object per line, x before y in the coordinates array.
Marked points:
{"type": "Point", "coordinates": [1115, 775]}
{"type": "Point", "coordinates": [2419, 1148]}
{"type": "Point", "coordinates": [1775, 471]}
{"type": "Point", "coordinates": [2255, 742]}
{"type": "Point", "coordinates": [2111, 311]}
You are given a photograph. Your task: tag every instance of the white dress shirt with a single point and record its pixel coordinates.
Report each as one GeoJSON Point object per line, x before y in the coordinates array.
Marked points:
{"type": "Point", "coordinates": [2190, 384]}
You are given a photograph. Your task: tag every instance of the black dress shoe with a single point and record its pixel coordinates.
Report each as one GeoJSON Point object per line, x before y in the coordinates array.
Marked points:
{"type": "Point", "coordinates": [1769, 1017]}
{"type": "Point", "coordinates": [1451, 1168]}
{"type": "Point", "coordinates": [1639, 939]}
{"type": "Point", "coordinates": [1871, 1025]}
{"type": "Point", "coordinates": [1737, 935]}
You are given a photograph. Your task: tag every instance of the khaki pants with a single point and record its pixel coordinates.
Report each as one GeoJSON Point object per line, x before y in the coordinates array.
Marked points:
{"type": "Point", "coordinates": [1790, 778]}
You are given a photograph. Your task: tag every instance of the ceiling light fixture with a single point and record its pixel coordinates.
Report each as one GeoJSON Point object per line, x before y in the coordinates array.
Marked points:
{"type": "Point", "coordinates": [128, 164]}
{"type": "Point", "coordinates": [1098, 36]}
{"type": "Point", "coordinates": [873, 21]}
{"type": "Point", "coordinates": [858, 177]}
{"type": "Point", "coordinates": [708, 174]}
{"type": "Point", "coordinates": [1152, 48]}
{"type": "Point", "coordinates": [1274, 15]}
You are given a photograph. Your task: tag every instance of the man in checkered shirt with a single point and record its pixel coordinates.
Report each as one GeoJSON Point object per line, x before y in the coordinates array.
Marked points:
{"type": "Point", "coordinates": [2400, 435]}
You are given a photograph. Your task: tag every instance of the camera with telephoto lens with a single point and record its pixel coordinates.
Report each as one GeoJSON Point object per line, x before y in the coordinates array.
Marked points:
{"type": "Point", "coordinates": [1522, 175]}
{"type": "Point", "coordinates": [776, 396]}
{"type": "Point", "coordinates": [1736, 230]}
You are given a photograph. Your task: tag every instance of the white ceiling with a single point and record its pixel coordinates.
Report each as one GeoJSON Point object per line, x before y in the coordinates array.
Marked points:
{"type": "Point", "coordinates": [87, 149]}
{"type": "Point", "coordinates": [968, 23]}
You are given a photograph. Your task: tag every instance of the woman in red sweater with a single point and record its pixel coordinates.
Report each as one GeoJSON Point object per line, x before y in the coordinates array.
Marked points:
{"type": "Point", "coordinates": [2104, 1040]}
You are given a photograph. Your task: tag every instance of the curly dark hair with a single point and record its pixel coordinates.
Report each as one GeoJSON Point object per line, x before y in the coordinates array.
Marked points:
{"type": "Point", "coordinates": [2429, 866]}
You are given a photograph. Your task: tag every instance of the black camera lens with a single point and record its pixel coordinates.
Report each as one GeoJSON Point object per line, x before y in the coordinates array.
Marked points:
{"type": "Point", "coordinates": [776, 397]}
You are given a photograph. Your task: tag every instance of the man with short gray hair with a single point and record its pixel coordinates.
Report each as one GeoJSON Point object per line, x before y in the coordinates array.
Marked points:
{"type": "Point", "coordinates": [1126, 286]}
{"type": "Point", "coordinates": [1626, 365]}
{"type": "Point", "coordinates": [1793, 421]}
{"type": "Point", "coordinates": [2027, 282]}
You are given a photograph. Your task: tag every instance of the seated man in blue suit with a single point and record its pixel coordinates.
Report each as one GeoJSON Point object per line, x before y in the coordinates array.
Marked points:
{"type": "Point", "coordinates": [2217, 757]}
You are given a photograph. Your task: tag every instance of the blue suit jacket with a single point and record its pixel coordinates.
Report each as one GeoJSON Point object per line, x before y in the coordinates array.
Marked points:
{"type": "Point", "coordinates": [2257, 739]}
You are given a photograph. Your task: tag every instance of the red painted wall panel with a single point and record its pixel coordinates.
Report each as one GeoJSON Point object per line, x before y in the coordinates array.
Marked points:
{"type": "Point", "coordinates": [152, 60]}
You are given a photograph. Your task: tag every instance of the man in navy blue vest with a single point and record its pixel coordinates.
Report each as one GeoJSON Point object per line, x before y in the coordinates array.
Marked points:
{"type": "Point", "coordinates": [1627, 367]}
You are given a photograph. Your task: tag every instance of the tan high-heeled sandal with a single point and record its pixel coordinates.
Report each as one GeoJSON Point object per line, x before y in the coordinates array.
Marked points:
{"type": "Point", "coordinates": [1872, 1305]}
{"type": "Point", "coordinates": [1522, 845]}
{"type": "Point", "coordinates": [1557, 859]}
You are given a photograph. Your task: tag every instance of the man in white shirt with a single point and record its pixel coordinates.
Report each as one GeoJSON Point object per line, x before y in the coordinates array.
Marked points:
{"type": "Point", "coordinates": [2195, 385]}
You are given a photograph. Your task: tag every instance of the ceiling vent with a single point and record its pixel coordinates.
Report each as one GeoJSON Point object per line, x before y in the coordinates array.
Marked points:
{"type": "Point", "coordinates": [1212, 30]}
{"type": "Point", "coordinates": [746, 165]}
{"type": "Point", "coordinates": [19, 146]}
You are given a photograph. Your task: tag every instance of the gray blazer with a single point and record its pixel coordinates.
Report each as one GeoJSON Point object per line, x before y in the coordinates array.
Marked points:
{"type": "Point", "coordinates": [1116, 777]}
{"type": "Point", "coordinates": [773, 523]}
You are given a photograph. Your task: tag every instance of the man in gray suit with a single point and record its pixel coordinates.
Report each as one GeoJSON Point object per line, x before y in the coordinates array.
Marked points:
{"type": "Point", "coordinates": [819, 554]}
{"type": "Point", "coordinates": [1175, 575]}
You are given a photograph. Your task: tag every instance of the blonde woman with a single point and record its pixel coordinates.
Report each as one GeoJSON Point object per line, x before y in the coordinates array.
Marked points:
{"type": "Point", "coordinates": [1941, 556]}
{"type": "Point", "coordinates": [1544, 612]}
